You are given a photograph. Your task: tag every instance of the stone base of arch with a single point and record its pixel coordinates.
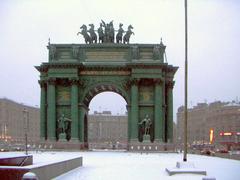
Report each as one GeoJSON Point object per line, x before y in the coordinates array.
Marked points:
{"type": "Point", "coordinates": [61, 145]}
{"type": "Point", "coordinates": [150, 147]}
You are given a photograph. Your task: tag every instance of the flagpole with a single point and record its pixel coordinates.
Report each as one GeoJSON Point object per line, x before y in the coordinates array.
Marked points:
{"type": "Point", "coordinates": [186, 84]}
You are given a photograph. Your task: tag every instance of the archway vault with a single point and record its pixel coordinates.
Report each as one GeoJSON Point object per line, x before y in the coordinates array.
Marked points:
{"type": "Point", "coordinates": [103, 87]}
{"type": "Point", "coordinates": [76, 73]}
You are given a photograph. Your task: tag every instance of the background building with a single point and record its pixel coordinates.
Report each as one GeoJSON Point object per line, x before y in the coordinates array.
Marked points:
{"type": "Point", "coordinates": [217, 123]}
{"type": "Point", "coordinates": [12, 122]}
{"type": "Point", "coordinates": [104, 129]}
{"type": "Point", "coordinates": [107, 131]}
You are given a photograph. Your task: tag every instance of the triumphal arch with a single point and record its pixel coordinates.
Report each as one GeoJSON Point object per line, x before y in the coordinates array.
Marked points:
{"type": "Point", "coordinates": [75, 73]}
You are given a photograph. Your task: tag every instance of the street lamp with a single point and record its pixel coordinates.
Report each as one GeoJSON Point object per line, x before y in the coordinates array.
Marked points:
{"type": "Point", "coordinates": [26, 127]}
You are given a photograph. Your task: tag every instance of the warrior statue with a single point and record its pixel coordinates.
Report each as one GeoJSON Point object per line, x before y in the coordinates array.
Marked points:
{"type": "Point", "coordinates": [92, 33]}
{"type": "Point", "coordinates": [100, 34]}
{"type": "Point", "coordinates": [146, 124]}
{"type": "Point", "coordinates": [109, 31]}
{"type": "Point", "coordinates": [64, 127]}
{"type": "Point", "coordinates": [120, 33]}
{"type": "Point", "coordinates": [129, 32]}
{"type": "Point", "coordinates": [85, 34]}
{"type": "Point", "coordinates": [67, 128]}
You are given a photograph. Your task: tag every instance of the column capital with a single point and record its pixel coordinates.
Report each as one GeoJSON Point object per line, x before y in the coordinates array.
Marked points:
{"type": "Point", "coordinates": [158, 81]}
{"type": "Point", "coordinates": [74, 81]}
{"type": "Point", "coordinates": [170, 84]}
{"type": "Point", "coordinates": [52, 81]}
{"type": "Point", "coordinates": [134, 81]}
{"type": "Point", "coordinates": [42, 83]}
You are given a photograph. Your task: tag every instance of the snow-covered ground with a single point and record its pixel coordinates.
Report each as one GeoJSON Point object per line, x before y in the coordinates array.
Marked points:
{"type": "Point", "coordinates": [136, 166]}
{"type": "Point", "coordinates": [108, 165]}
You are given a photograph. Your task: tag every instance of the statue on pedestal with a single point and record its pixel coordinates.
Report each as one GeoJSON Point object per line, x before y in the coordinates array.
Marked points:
{"type": "Point", "coordinates": [100, 34]}
{"type": "Point", "coordinates": [120, 33]}
{"type": "Point", "coordinates": [146, 125]}
{"type": "Point", "coordinates": [64, 127]}
{"type": "Point", "coordinates": [106, 33]}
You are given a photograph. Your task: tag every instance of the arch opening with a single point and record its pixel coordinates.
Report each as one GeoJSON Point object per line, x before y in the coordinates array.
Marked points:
{"type": "Point", "coordinates": [107, 121]}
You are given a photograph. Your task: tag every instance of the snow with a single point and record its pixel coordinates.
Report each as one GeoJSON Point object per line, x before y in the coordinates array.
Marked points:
{"type": "Point", "coordinates": [130, 166]}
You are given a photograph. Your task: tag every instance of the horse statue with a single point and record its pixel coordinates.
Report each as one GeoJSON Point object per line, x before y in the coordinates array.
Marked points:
{"type": "Point", "coordinates": [85, 34]}
{"type": "Point", "coordinates": [100, 34]}
{"type": "Point", "coordinates": [93, 35]}
{"type": "Point", "coordinates": [120, 33]}
{"type": "Point", "coordinates": [129, 32]}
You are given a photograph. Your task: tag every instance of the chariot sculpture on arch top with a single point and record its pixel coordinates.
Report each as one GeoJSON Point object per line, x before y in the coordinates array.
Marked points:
{"type": "Point", "coordinates": [106, 33]}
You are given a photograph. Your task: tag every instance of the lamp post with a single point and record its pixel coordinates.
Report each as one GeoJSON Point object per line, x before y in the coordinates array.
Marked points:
{"type": "Point", "coordinates": [26, 128]}
{"type": "Point", "coordinates": [186, 84]}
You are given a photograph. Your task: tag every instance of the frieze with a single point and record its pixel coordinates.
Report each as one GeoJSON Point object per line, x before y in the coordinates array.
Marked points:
{"type": "Point", "coordinates": [105, 73]}
{"type": "Point", "coordinates": [101, 55]}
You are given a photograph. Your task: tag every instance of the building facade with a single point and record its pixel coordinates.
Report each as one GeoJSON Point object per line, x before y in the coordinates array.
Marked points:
{"type": "Point", "coordinates": [14, 122]}
{"type": "Point", "coordinates": [217, 123]}
{"type": "Point", "coordinates": [107, 131]}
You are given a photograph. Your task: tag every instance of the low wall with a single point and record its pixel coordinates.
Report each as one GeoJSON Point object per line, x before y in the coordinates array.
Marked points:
{"type": "Point", "coordinates": [43, 172]}
{"type": "Point", "coordinates": [24, 160]}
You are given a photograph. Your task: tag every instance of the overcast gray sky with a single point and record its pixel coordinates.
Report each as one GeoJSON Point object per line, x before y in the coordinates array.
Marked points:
{"type": "Point", "coordinates": [214, 33]}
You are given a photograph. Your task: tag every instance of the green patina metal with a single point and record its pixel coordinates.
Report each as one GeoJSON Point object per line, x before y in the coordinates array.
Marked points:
{"type": "Point", "coordinates": [75, 73]}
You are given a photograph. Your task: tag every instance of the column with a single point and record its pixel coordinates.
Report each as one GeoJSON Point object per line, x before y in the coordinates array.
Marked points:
{"type": "Point", "coordinates": [170, 111]}
{"type": "Point", "coordinates": [74, 108]}
{"type": "Point", "coordinates": [158, 111]}
{"type": "Point", "coordinates": [129, 122]}
{"type": "Point", "coordinates": [51, 109]}
{"type": "Point", "coordinates": [81, 123]}
{"type": "Point", "coordinates": [134, 111]}
{"type": "Point", "coordinates": [43, 120]}
{"type": "Point", "coordinates": [164, 106]}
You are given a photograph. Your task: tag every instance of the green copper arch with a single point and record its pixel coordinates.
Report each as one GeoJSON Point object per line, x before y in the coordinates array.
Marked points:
{"type": "Point", "coordinates": [75, 73]}
{"type": "Point", "coordinates": [94, 89]}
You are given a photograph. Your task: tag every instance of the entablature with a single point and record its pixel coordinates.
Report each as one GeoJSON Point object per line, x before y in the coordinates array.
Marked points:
{"type": "Point", "coordinates": [109, 52]}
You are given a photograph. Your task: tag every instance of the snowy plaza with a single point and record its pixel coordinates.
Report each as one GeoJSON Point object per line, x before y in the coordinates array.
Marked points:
{"type": "Point", "coordinates": [117, 165]}
{"type": "Point", "coordinates": [137, 166]}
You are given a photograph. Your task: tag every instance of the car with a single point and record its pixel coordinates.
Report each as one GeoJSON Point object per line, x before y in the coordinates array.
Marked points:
{"type": "Point", "coordinates": [223, 151]}
{"type": "Point", "coordinates": [3, 150]}
{"type": "Point", "coordinates": [208, 152]}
